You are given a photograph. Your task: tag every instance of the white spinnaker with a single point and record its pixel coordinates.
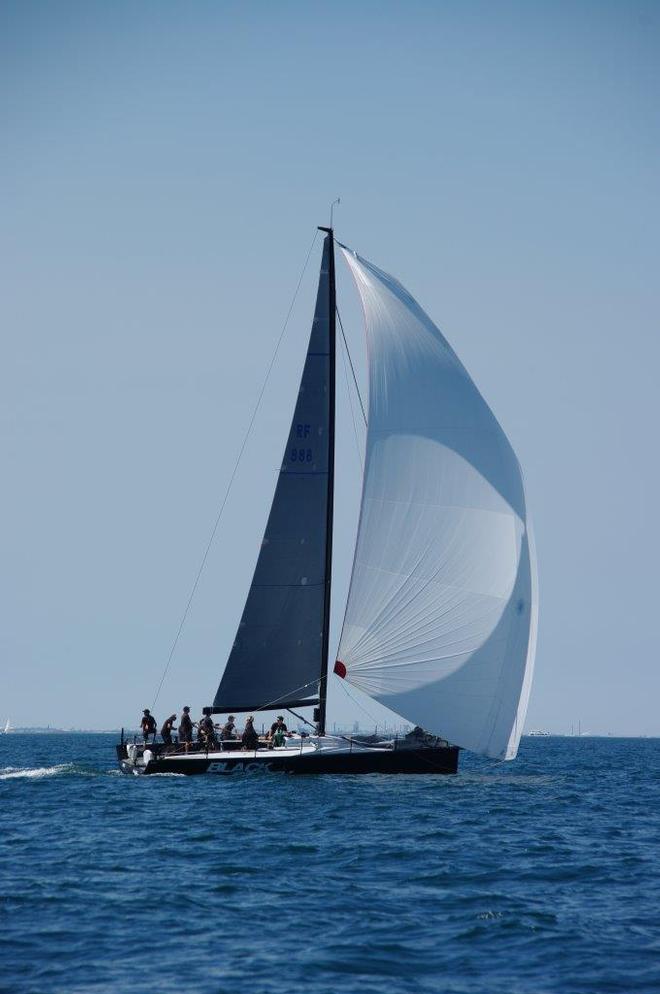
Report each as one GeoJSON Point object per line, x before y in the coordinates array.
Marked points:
{"type": "Point", "coordinates": [440, 622]}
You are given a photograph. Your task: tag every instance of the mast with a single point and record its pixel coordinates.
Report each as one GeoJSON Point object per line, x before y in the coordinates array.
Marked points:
{"type": "Point", "coordinates": [332, 348]}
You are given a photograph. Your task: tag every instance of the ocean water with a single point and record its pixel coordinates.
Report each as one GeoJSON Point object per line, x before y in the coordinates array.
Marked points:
{"type": "Point", "coordinates": [540, 875]}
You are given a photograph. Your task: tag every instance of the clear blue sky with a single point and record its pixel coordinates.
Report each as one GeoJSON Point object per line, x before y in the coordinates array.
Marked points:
{"type": "Point", "coordinates": [164, 166]}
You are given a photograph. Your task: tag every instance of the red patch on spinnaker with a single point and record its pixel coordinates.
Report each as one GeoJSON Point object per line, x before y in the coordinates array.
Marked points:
{"type": "Point", "coordinates": [340, 669]}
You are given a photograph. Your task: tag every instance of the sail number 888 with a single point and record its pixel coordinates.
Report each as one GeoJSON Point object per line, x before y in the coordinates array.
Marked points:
{"type": "Point", "coordinates": [301, 455]}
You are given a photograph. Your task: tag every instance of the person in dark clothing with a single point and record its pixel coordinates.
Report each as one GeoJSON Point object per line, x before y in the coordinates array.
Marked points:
{"type": "Point", "coordinates": [250, 739]}
{"type": "Point", "coordinates": [166, 730]}
{"type": "Point", "coordinates": [277, 726]}
{"type": "Point", "coordinates": [207, 729]}
{"type": "Point", "coordinates": [148, 725]}
{"type": "Point", "coordinates": [277, 739]}
{"type": "Point", "coordinates": [186, 729]}
{"type": "Point", "coordinates": [228, 731]}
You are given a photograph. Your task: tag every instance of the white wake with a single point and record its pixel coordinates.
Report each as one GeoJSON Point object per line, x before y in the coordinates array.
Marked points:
{"type": "Point", "coordinates": [35, 772]}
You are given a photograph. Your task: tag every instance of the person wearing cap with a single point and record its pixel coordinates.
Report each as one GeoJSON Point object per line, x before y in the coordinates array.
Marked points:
{"type": "Point", "coordinates": [228, 730]}
{"type": "Point", "coordinates": [186, 729]}
{"type": "Point", "coordinates": [250, 739]}
{"type": "Point", "coordinates": [148, 725]}
{"type": "Point", "coordinates": [166, 731]}
{"type": "Point", "coordinates": [278, 726]}
{"type": "Point", "coordinates": [207, 729]}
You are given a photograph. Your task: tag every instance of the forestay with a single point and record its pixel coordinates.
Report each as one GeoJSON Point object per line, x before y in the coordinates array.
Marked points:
{"type": "Point", "coordinates": [441, 617]}
{"type": "Point", "coordinates": [277, 655]}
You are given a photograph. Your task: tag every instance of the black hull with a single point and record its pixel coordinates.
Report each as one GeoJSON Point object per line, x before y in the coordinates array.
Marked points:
{"type": "Point", "coordinates": [430, 760]}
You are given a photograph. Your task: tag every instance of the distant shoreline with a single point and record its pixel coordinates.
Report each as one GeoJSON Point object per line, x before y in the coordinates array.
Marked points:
{"type": "Point", "coordinates": [24, 730]}
{"type": "Point", "coordinates": [129, 732]}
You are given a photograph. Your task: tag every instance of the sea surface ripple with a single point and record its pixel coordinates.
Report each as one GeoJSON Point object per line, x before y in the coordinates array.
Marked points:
{"type": "Point", "coordinates": [536, 876]}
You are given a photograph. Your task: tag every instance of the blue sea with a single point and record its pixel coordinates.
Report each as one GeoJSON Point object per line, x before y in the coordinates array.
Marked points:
{"type": "Point", "coordinates": [540, 875]}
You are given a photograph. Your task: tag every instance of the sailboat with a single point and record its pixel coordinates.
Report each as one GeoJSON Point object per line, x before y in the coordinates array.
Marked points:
{"type": "Point", "coordinates": [440, 621]}
{"type": "Point", "coordinates": [8, 727]}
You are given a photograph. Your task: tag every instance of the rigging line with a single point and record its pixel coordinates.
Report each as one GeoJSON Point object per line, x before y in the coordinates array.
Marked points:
{"type": "Point", "coordinates": [348, 352]}
{"type": "Point", "coordinates": [233, 475]}
{"type": "Point", "coordinates": [355, 701]}
{"type": "Point", "coordinates": [350, 404]}
{"type": "Point", "coordinates": [270, 705]}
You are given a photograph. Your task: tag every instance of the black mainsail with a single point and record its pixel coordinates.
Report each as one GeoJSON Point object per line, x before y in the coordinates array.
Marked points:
{"type": "Point", "coordinates": [279, 657]}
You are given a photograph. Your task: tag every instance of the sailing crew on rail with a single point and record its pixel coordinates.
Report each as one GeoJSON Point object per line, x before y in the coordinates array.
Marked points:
{"type": "Point", "coordinates": [278, 726]}
{"type": "Point", "coordinates": [250, 738]}
{"type": "Point", "coordinates": [207, 730]}
{"type": "Point", "coordinates": [229, 730]}
{"type": "Point", "coordinates": [277, 739]}
{"type": "Point", "coordinates": [186, 729]}
{"type": "Point", "coordinates": [166, 730]}
{"type": "Point", "coordinates": [148, 725]}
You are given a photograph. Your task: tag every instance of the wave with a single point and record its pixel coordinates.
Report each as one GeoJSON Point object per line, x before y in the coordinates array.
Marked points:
{"type": "Point", "coordinates": [33, 772]}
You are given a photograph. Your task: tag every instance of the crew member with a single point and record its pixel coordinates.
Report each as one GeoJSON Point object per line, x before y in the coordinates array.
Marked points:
{"type": "Point", "coordinates": [228, 730]}
{"type": "Point", "coordinates": [148, 725]}
{"type": "Point", "coordinates": [207, 729]}
{"type": "Point", "coordinates": [166, 730]}
{"type": "Point", "coordinates": [278, 738]}
{"type": "Point", "coordinates": [250, 738]}
{"type": "Point", "coordinates": [186, 729]}
{"type": "Point", "coordinates": [278, 726]}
